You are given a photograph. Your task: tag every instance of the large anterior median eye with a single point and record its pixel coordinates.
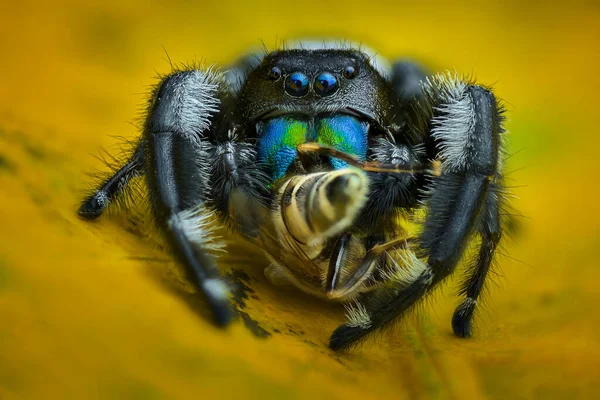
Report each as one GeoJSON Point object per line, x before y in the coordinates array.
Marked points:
{"type": "Point", "coordinates": [296, 84]}
{"type": "Point", "coordinates": [278, 140]}
{"type": "Point", "coordinates": [325, 84]}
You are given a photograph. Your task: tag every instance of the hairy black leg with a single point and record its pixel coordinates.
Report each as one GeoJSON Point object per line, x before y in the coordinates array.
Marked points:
{"type": "Point", "coordinates": [490, 231]}
{"type": "Point", "coordinates": [237, 73]}
{"type": "Point", "coordinates": [177, 172]}
{"type": "Point", "coordinates": [390, 191]}
{"type": "Point", "coordinates": [466, 125]}
{"type": "Point", "coordinates": [406, 80]}
{"type": "Point", "coordinates": [93, 206]}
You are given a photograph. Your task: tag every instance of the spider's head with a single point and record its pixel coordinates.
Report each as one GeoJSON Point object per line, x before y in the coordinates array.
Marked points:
{"type": "Point", "coordinates": [333, 97]}
{"type": "Point", "coordinates": [311, 83]}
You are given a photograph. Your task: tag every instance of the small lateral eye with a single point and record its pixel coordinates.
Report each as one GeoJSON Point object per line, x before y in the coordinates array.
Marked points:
{"type": "Point", "coordinates": [274, 73]}
{"type": "Point", "coordinates": [349, 72]}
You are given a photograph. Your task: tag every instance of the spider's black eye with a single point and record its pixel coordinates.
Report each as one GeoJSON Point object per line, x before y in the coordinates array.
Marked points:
{"type": "Point", "coordinates": [326, 84]}
{"type": "Point", "coordinates": [349, 72]}
{"type": "Point", "coordinates": [274, 73]}
{"type": "Point", "coordinates": [296, 84]}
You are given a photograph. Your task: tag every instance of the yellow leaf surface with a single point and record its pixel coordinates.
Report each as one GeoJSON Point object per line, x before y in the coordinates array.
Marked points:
{"type": "Point", "coordinates": [99, 310]}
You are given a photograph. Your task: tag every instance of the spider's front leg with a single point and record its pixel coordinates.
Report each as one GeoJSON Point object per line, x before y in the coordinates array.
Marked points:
{"type": "Point", "coordinates": [178, 158]}
{"type": "Point", "coordinates": [461, 124]}
{"type": "Point", "coordinates": [175, 156]}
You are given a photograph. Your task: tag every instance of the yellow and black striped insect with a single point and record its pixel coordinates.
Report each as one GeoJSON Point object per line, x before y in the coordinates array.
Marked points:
{"type": "Point", "coordinates": [318, 155]}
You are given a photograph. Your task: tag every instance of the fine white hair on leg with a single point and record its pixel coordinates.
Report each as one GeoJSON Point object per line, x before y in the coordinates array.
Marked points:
{"type": "Point", "coordinates": [467, 306]}
{"type": "Point", "coordinates": [197, 225]}
{"type": "Point", "coordinates": [102, 198]}
{"type": "Point", "coordinates": [412, 267]}
{"type": "Point", "coordinates": [216, 288]}
{"type": "Point", "coordinates": [202, 98]}
{"type": "Point", "coordinates": [455, 123]}
{"type": "Point", "coordinates": [186, 101]}
{"type": "Point", "coordinates": [357, 316]}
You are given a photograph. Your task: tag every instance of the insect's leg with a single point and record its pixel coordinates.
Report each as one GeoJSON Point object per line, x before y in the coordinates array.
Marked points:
{"type": "Point", "coordinates": [335, 287]}
{"type": "Point", "coordinates": [93, 206]}
{"type": "Point", "coordinates": [177, 173]}
{"type": "Point", "coordinates": [490, 231]}
{"type": "Point", "coordinates": [465, 128]}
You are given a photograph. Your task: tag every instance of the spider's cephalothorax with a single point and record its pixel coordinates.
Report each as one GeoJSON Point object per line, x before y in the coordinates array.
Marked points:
{"type": "Point", "coordinates": [319, 156]}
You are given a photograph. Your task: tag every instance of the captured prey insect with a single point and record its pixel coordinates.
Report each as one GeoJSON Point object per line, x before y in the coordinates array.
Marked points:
{"type": "Point", "coordinates": [317, 155]}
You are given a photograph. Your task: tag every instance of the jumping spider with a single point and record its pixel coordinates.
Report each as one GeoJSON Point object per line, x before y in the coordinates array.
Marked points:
{"type": "Point", "coordinates": [317, 155]}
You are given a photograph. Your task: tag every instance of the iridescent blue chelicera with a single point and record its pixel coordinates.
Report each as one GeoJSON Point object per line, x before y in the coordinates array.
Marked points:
{"type": "Point", "coordinates": [279, 138]}
{"type": "Point", "coordinates": [344, 133]}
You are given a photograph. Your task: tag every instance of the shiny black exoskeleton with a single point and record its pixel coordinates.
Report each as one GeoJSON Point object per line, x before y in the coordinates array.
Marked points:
{"type": "Point", "coordinates": [220, 141]}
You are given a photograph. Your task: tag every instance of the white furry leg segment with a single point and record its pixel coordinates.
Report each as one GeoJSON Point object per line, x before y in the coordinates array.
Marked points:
{"type": "Point", "coordinates": [216, 288]}
{"type": "Point", "coordinates": [357, 315]}
{"type": "Point", "coordinates": [407, 271]}
{"type": "Point", "coordinates": [454, 122]}
{"type": "Point", "coordinates": [466, 121]}
{"type": "Point", "coordinates": [198, 224]}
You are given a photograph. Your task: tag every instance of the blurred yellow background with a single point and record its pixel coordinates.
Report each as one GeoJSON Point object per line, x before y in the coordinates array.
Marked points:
{"type": "Point", "coordinates": [95, 310]}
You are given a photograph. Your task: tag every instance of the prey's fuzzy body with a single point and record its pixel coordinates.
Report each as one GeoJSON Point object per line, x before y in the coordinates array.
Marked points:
{"type": "Point", "coordinates": [316, 155]}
